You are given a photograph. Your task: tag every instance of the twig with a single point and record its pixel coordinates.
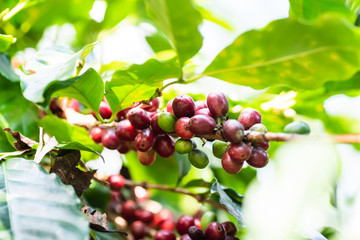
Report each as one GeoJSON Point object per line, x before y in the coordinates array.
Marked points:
{"type": "Point", "coordinates": [199, 197]}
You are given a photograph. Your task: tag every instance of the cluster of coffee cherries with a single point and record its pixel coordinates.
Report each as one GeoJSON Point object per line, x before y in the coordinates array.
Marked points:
{"type": "Point", "coordinates": [149, 131]}
{"type": "Point", "coordinates": [162, 225]}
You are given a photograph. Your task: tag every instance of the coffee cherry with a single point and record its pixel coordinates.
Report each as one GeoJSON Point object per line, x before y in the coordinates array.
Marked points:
{"type": "Point", "coordinates": [197, 222]}
{"type": "Point", "coordinates": [249, 117]}
{"type": "Point", "coordinates": [263, 145]}
{"type": "Point", "coordinates": [109, 139]}
{"type": "Point", "coordinates": [217, 103]}
{"type": "Point", "coordinates": [105, 110]}
{"type": "Point", "coordinates": [145, 140]}
{"type": "Point", "coordinates": [199, 105]}
{"type": "Point", "coordinates": [123, 147]}
{"type": "Point", "coordinates": [122, 113]}
{"type": "Point", "coordinates": [146, 158]}
{"type": "Point", "coordinates": [196, 233]}
{"type": "Point", "coordinates": [154, 124]}
{"type": "Point", "coordinates": [229, 227]}
{"type": "Point", "coordinates": [183, 106]}
{"type": "Point", "coordinates": [125, 130]}
{"type": "Point", "coordinates": [164, 235]}
{"type": "Point", "coordinates": [168, 224]}
{"type": "Point", "coordinates": [202, 125]}
{"type": "Point", "coordinates": [116, 182]}
{"type": "Point", "coordinates": [167, 122]}
{"type": "Point", "coordinates": [233, 131]}
{"type": "Point", "coordinates": [203, 111]}
{"type": "Point", "coordinates": [183, 224]}
{"type": "Point", "coordinates": [230, 166]}
{"type": "Point", "coordinates": [198, 158]}
{"type": "Point", "coordinates": [162, 216]}
{"type": "Point", "coordinates": [207, 218]}
{"type": "Point", "coordinates": [169, 108]}
{"type": "Point", "coordinates": [229, 237]}
{"type": "Point", "coordinates": [164, 146]}
{"type": "Point", "coordinates": [259, 158]}
{"type": "Point", "coordinates": [96, 134]}
{"type": "Point", "coordinates": [182, 128]}
{"type": "Point", "coordinates": [128, 210]}
{"type": "Point", "coordinates": [214, 231]}
{"type": "Point", "coordinates": [185, 237]}
{"type": "Point", "coordinates": [138, 229]}
{"type": "Point", "coordinates": [219, 148]}
{"type": "Point", "coordinates": [298, 127]}
{"type": "Point", "coordinates": [152, 106]}
{"type": "Point", "coordinates": [183, 146]}
{"type": "Point", "coordinates": [138, 118]}
{"type": "Point", "coordinates": [258, 127]}
{"type": "Point", "coordinates": [239, 152]}
{"type": "Point", "coordinates": [144, 215]}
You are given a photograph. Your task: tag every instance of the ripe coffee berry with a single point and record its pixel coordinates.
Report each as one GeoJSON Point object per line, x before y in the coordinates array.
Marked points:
{"type": "Point", "coordinates": [96, 134]}
{"type": "Point", "coordinates": [203, 111]}
{"type": "Point", "coordinates": [183, 224]}
{"type": "Point", "coordinates": [105, 110]}
{"type": "Point", "coordinates": [259, 158]}
{"type": "Point", "coordinates": [154, 124]}
{"type": "Point", "coordinates": [199, 105]}
{"type": "Point", "coordinates": [229, 237]}
{"type": "Point", "coordinates": [139, 118]}
{"type": "Point", "coordinates": [169, 108]}
{"type": "Point", "coordinates": [164, 235]}
{"type": "Point", "coordinates": [116, 182]}
{"type": "Point", "coordinates": [128, 210]}
{"type": "Point", "coordinates": [263, 145]}
{"type": "Point", "coordinates": [109, 139]}
{"type": "Point", "coordinates": [214, 231]}
{"type": "Point", "coordinates": [196, 233]}
{"type": "Point", "coordinates": [146, 158]}
{"type": "Point", "coordinates": [138, 229]}
{"type": "Point", "coordinates": [185, 237]}
{"type": "Point", "coordinates": [233, 131]}
{"type": "Point", "coordinates": [217, 103]}
{"type": "Point", "coordinates": [248, 117]}
{"type": "Point", "coordinates": [144, 215]}
{"type": "Point", "coordinates": [229, 227]}
{"type": "Point", "coordinates": [125, 130]}
{"type": "Point", "coordinates": [145, 140]}
{"type": "Point", "coordinates": [168, 224]}
{"type": "Point", "coordinates": [183, 106]}
{"type": "Point", "coordinates": [239, 152]}
{"type": "Point", "coordinates": [164, 146]}
{"type": "Point", "coordinates": [230, 166]}
{"type": "Point", "coordinates": [182, 128]}
{"type": "Point", "coordinates": [152, 106]}
{"type": "Point", "coordinates": [123, 147]}
{"type": "Point", "coordinates": [202, 125]}
{"type": "Point", "coordinates": [198, 158]}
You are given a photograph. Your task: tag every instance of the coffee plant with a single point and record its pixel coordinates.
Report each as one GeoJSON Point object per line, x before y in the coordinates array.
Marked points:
{"type": "Point", "coordinates": [188, 119]}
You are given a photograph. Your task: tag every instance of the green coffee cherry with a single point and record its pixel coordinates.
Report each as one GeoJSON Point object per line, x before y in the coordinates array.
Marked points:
{"type": "Point", "coordinates": [207, 218]}
{"type": "Point", "coordinates": [297, 127]}
{"type": "Point", "coordinates": [198, 158]}
{"type": "Point", "coordinates": [167, 122]}
{"type": "Point", "coordinates": [258, 127]}
{"type": "Point", "coordinates": [219, 148]}
{"type": "Point", "coordinates": [183, 146]}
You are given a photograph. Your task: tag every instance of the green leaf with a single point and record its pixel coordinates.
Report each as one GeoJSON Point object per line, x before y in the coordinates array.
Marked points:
{"type": "Point", "coordinates": [5, 42]}
{"type": "Point", "coordinates": [6, 69]}
{"type": "Point", "coordinates": [311, 9]}
{"type": "Point", "coordinates": [64, 132]}
{"type": "Point", "coordinates": [16, 112]}
{"type": "Point", "coordinates": [183, 164]}
{"type": "Point", "coordinates": [47, 67]}
{"type": "Point", "coordinates": [77, 146]}
{"type": "Point", "coordinates": [287, 52]}
{"type": "Point", "coordinates": [232, 205]}
{"type": "Point", "coordinates": [35, 204]}
{"type": "Point", "coordinates": [139, 82]}
{"type": "Point", "coordinates": [179, 21]}
{"type": "Point", "coordinates": [5, 145]}
{"type": "Point", "coordinates": [88, 88]}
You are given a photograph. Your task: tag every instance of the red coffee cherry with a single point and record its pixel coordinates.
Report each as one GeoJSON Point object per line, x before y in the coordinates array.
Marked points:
{"type": "Point", "coordinates": [138, 229]}
{"type": "Point", "coordinates": [152, 106]}
{"type": "Point", "coordinates": [145, 140]}
{"type": "Point", "coordinates": [202, 125]}
{"type": "Point", "coordinates": [229, 165]}
{"type": "Point", "coordinates": [128, 210]}
{"type": "Point", "coordinates": [139, 118]}
{"type": "Point", "coordinates": [123, 147]}
{"type": "Point", "coordinates": [109, 139]}
{"type": "Point", "coordinates": [239, 152]}
{"type": "Point", "coordinates": [116, 182]}
{"type": "Point", "coordinates": [217, 103]}
{"type": "Point", "coordinates": [168, 224]}
{"type": "Point", "coordinates": [214, 231]}
{"type": "Point", "coordinates": [183, 106]}
{"type": "Point", "coordinates": [154, 124]}
{"type": "Point", "coordinates": [144, 215]}
{"type": "Point", "coordinates": [249, 117]}
{"type": "Point", "coordinates": [183, 224]}
{"type": "Point", "coordinates": [203, 111]}
{"type": "Point", "coordinates": [259, 158]}
{"type": "Point", "coordinates": [164, 146]}
{"type": "Point", "coordinates": [169, 108]}
{"type": "Point", "coordinates": [233, 131]}
{"type": "Point", "coordinates": [146, 158]}
{"type": "Point", "coordinates": [182, 128]}
{"type": "Point", "coordinates": [164, 235]}
{"type": "Point", "coordinates": [185, 237]}
{"type": "Point", "coordinates": [105, 110]}
{"type": "Point", "coordinates": [96, 134]}
{"type": "Point", "coordinates": [125, 130]}
{"type": "Point", "coordinates": [263, 145]}
{"type": "Point", "coordinates": [199, 105]}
